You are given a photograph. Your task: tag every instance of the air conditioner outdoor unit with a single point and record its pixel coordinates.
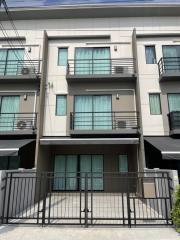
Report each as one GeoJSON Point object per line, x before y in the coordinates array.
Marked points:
{"type": "Point", "coordinates": [24, 124]}
{"type": "Point", "coordinates": [121, 124]}
{"type": "Point", "coordinates": [120, 69]}
{"type": "Point", "coordinates": [28, 70]}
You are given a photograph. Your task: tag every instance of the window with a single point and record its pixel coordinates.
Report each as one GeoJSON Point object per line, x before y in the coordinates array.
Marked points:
{"type": "Point", "coordinates": [174, 102]}
{"type": "Point", "coordinates": [171, 56]}
{"type": "Point", "coordinates": [92, 60]}
{"type": "Point", "coordinates": [62, 56]}
{"type": "Point", "coordinates": [155, 104]}
{"type": "Point", "coordinates": [10, 61]}
{"type": "Point", "coordinates": [123, 163]}
{"type": "Point", "coordinates": [9, 163]}
{"type": "Point", "coordinates": [150, 54]}
{"type": "Point", "coordinates": [61, 105]}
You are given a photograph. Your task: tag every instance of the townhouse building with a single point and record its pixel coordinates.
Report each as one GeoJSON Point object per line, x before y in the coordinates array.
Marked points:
{"type": "Point", "coordinates": [100, 92]}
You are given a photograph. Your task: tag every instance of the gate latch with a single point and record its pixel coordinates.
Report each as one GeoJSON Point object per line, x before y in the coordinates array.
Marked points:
{"type": "Point", "coordinates": [85, 210]}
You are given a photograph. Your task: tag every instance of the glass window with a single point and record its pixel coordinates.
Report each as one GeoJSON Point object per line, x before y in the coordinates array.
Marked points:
{"type": "Point", "coordinates": [150, 54]}
{"type": "Point", "coordinates": [174, 102]}
{"type": "Point", "coordinates": [62, 56]}
{"type": "Point", "coordinates": [61, 105]}
{"type": "Point", "coordinates": [123, 163]}
{"type": "Point", "coordinates": [155, 104]}
{"type": "Point", "coordinates": [9, 162]}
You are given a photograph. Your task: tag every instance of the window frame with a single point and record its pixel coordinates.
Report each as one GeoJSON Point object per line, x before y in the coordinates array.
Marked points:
{"type": "Point", "coordinates": [57, 95]}
{"type": "Point", "coordinates": [160, 113]}
{"type": "Point", "coordinates": [154, 46]}
{"type": "Point", "coordinates": [58, 64]}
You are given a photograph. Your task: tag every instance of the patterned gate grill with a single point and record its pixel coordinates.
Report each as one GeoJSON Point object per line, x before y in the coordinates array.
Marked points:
{"type": "Point", "coordinates": [127, 199]}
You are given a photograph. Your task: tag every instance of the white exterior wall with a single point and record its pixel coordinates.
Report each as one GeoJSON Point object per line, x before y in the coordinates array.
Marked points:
{"type": "Point", "coordinates": [120, 31]}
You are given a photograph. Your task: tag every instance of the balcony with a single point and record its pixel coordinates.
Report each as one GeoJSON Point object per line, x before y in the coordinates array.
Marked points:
{"type": "Point", "coordinates": [103, 123]}
{"type": "Point", "coordinates": [20, 70]}
{"type": "Point", "coordinates": [174, 122]}
{"type": "Point", "coordinates": [169, 68]}
{"type": "Point", "coordinates": [101, 70]}
{"type": "Point", "coordinates": [18, 123]}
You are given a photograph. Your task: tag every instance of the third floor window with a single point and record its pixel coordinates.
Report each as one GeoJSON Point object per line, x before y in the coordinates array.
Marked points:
{"type": "Point", "coordinates": [150, 54]}
{"type": "Point", "coordinates": [11, 61]}
{"type": "Point", "coordinates": [62, 56]}
{"type": "Point", "coordinates": [92, 60]}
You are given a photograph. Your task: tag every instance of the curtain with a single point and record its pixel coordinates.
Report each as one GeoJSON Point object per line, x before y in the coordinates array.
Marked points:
{"type": "Point", "coordinates": [9, 108]}
{"type": "Point", "coordinates": [61, 105]}
{"type": "Point", "coordinates": [171, 56]}
{"type": "Point", "coordinates": [62, 56]}
{"type": "Point", "coordinates": [101, 61]}
{"type": "Point", "coordinates": [14, 61]}
{"type": "Point", "coordinates": [59, 172]}
{"type": "Point", "coordinates": [102, 112]}
{"type": "Point", "coordinates": [3, 54]}
{"type": "Point", "coordinates": [123, 163]}
{"type": "Point", "coordinates": [83, 61]}
{"type": "Point", "coordinates": [150, 55]}
{"type": "Point", "coordinates": [71, 172]}
{"type": "Point", "coordinates": [155, 106]}
{"type": "Point", "coordinates": [174, 102]}
{"type": "Point", "coordinates": [97, 172]}
{"type": "Point", "coordinates": [83, 112]}
{"type": "Point", "coordinates": [85, 167]}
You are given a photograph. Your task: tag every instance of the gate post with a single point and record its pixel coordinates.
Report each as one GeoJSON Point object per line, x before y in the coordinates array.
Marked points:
{"type": "Point", "coordinates": [44, 199]}
{"type": "Point", "coordinates": [9, 196]}
{"type": "Point", "coordinates": [86, 200]}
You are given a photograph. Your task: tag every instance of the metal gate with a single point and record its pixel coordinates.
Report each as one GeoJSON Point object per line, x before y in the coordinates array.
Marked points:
{"type": "Point", "coordinates": [127, 199]}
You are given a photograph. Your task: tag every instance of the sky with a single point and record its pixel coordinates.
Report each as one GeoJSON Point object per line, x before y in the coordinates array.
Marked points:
{"type": "Point", "coordinates": [40, 3]}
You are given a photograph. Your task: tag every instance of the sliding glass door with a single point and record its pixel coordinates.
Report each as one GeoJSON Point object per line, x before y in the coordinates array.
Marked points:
{"type": "Point", "coordinates": [65, 172]}
{"type": "Point", "coordinates": [93, 112]}
{"type": "Point", "coordinates": [9, 106]}
{"type": "Point", "coordinates": [92, 61]}
{"type": "Point", "coordinates": [11, 61]}
{"type": "Point", "coordinates": [171, 56]}
{"type": "Point", "coordinates": [92, 165]}
{"type": "Point", "coordinates": [174, 102]}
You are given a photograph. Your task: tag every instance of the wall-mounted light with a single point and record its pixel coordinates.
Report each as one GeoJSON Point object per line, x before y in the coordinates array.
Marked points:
{"type": "Point", "coordinates": [115, 48]}
{"type": "Point", "coordinates": [117, 96]}
{"type": "Point", "coordinates": [25, 97]}
{"type": "Point", "coordinates": [29, 49]}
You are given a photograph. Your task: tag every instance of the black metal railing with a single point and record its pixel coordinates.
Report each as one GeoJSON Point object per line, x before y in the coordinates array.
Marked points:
{"type": "Point", "coordinates": [121, 66]}
{"type": "Point", "coordinates": [20, 67]}
{"type": "Point", "coordinates": [169, 65]}
{"type": "Point", "coordinates": [103, 120]}
{"type": "Point", "coordinates": [174, 120]}
{"type": "Point", "coordinates": [18, 121]}
{"type": "Point", "coordinates": [126, 199]}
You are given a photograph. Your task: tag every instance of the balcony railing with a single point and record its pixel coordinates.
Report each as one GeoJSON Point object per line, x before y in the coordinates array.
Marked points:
{"type": "Point", "coordinates": [20, 67]}
{"type": "Point", "coordinates": [10, 122]}
{"type": "Point", "coordinates": [169, 65]}
{"type": "Point", "coordinates": [103, 120]}
{"type": "Point", "coordinates": [121, 66]}
{"type": "Point", "coordinates": [174, 120]}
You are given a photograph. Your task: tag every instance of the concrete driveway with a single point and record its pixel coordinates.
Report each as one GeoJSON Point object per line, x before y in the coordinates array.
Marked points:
{"type": "Point", "coordinates": [67, 233]}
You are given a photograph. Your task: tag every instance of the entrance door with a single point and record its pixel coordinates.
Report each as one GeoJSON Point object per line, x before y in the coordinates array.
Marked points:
{"type": "Point", "coordinates": [92, 165]}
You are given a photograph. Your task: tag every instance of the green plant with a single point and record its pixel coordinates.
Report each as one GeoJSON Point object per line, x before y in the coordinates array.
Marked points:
{"type": "Point", "coordinates": [176, 209]}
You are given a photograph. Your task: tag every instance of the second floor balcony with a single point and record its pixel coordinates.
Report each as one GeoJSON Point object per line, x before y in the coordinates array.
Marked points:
{"type": "Point", "coordinates": [20, 70]}
{"type": "Point", "coordinates": [18, 123]}
{"type": "Point", "coordinates": [94, 70]}
{"type": "Point", "coordinates": [174, 122]}
{"type": "Point", "coordinates": [104, 123]}
{"type": "Point", "coordinates": [169, 68]}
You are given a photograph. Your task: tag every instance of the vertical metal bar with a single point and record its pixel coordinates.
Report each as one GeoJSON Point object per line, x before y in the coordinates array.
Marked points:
{"type": "Point", "coordinates": [86, 200]}
{"type": "Point", "coordinates": [4, 200]}
{"type": "Point", "coordinates": [91, 198]}
{"type": "Point", "coordinates": [44, 199]}
{"type": "Point", "coordinates": [128, 203]}
{"type": "Point", "coordinates": [9, 196]}
{"type": "Point", "coordinates": [50, 189]}
{"type": "Point", "coordinates": [39, 197]}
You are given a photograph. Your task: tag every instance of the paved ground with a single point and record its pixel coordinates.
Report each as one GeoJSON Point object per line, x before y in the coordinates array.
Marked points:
{"type": "Point", "coordinates": [67, 233]}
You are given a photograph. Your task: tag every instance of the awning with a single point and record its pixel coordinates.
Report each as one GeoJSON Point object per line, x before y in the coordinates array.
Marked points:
{"type": "Point", "coordinates": [169, 147]}
{"type": "Point", "coordinates": [87, 141]}
{"type": "Point", "coordinates": [12, 147]}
